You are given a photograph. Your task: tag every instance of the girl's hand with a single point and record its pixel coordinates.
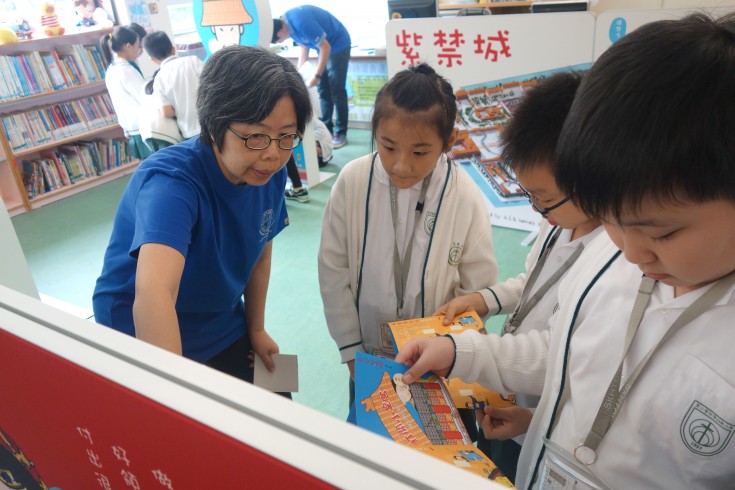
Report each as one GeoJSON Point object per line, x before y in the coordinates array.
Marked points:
{"type": "Point", "coordinates": [504, 423]}
{"type": "Point", "coordinates": [461, 304]}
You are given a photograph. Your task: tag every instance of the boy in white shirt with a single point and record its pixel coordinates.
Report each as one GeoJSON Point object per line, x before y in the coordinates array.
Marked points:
{"type": "Point", "coordinates": [176, 82]}
{"type": "Point", "coordinates": [643, 394]}
{"type": "Point", "coordinates": [528, 143]}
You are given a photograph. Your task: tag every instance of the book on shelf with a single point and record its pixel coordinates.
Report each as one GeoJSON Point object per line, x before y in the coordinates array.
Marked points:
{"type": "Point", "coordinates": [421, 415]}
{"type": "Point", "coordinates": [35, 127]}
{"type": "Point", "coordinates": [33, 73]}
{"type": "Point", "coordinates": [394, 336]}
{"type": "Point", "coordinates": [69, 164]}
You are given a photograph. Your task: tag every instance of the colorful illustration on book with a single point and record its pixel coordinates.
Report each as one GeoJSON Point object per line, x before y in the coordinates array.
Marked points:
{"type": "Point", "coordinates": [482, 111]}
{"type": "Point", "coordinates": [468, 458]}
{"type": "Point", "coordinates": [223, 23]}
{"type": "Point", "coordinates": [422, 414]}
{"type": "Point", "coordinates": [394, 336]}
{"type": "Point", "coordinates": [16, 470]}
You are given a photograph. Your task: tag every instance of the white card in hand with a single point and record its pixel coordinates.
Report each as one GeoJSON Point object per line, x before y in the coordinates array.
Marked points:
{"type": "Point", "coordinates": [284, 379]}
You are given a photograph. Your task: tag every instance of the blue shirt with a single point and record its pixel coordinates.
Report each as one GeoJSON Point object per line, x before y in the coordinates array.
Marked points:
{"type": "Point", "coordinates": [179, 197]}
{"type": "Point", "coordinates": [310, 25]}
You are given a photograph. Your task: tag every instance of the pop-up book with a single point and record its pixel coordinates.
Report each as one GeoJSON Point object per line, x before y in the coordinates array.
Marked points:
{"type": "Point", "coordinates": [465, 395]}
{"type": "Point", "coordinates": [421, 415]}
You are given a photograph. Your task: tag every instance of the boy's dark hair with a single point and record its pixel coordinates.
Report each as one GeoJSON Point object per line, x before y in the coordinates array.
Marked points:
{"type": "Point", "coordinates": [654, 119]}
{"type": "Point", "coordinates": [421, 92]}
{"type": "Point", "coordinates": [277, 26]}
{"type": "Point", "coordinates": [531, 136]}
{"type": "Point", "coordinates": [158, 45]}
{"type": "Point", "coordinates": [243, 84]}
{"type": "Point", "coordinates": [116, 40]}
{"type": "Point", "coordinates": [139, 30]}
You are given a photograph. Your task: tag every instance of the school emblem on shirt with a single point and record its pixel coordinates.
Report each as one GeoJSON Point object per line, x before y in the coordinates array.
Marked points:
{"type": "Point", "coordinates": [704, 432]}
{"type": "Point", "coordinates": [266, 224]}
{"type": "Point", "coordinates": [429, 219]}
{"type": "Point", "coordinates": [455, 253]}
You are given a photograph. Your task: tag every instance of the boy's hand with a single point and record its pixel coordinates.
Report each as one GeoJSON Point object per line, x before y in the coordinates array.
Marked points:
{"type": "Point", "coordinates": [434, 354]}
{"type": "Point", "coordinates": [461, 304]}
{"type": "Point", "coordinates": [504, 423]}
{"type": "Point", "coordinates": [263, 345]}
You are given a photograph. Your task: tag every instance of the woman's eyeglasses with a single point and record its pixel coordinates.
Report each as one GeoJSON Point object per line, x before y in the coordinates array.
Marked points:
{"type": "Point", "coordinates": [260, 141]}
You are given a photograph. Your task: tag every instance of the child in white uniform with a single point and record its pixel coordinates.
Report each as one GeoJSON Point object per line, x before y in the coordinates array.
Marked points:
{"type": "Point", "coordinates": [176, 82]}
{"type": "Point", "coordinates": [125, 83]}
{"type": "Point", "coordinates": [404, 229]}
{"type": "Point", "coordinates": [642, 394]}
{"type": "Point", "coordinates": [528, 143]}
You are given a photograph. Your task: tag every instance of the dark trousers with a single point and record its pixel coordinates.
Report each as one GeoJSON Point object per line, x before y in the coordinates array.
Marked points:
{"type": "Point", "coordinates": [503, 453]}
{"type": "Point", "coordinates": [333, 94]}
{"type": "Point", "coordinates": [234, 361]}
{"type": "Point", "coordinates": [293, 173]}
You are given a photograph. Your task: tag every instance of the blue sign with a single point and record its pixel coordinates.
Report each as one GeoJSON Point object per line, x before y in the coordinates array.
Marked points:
{"type": "Point", "coordinates": [617, 29]}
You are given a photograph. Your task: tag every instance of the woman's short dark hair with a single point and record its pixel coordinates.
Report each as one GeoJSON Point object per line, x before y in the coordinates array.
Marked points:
{"type": "Point", "coordinates": [531, 136]}
{"type": "Point", "coordinates": [654, 118]}
{"type": "Point", "coordinates": [418, 91]}
{"type": "Point", "coordinates": [243, 84]}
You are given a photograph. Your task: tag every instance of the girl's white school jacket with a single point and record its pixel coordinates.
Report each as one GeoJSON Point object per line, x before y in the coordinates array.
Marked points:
{"type": "Point", "coordinates": [674, 430]}
{"type": "Point", "coordinates": [125, 86]}
{"type": "Point", "coordinates": [460, 259]}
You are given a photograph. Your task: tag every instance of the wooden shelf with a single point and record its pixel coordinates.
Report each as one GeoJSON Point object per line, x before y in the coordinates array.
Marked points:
{"type": "Point", "coordinates": [89, 36]}
{"type": "Point", "coordinates": [12, 186]}
{"type": "Point", "coordinates": [68, 139]}
{"type": "Point", "coordinates": [6, 104]}
{"type": "Point", "coordinates": [490, 5]}
{"type": "Point", "coordinates": [82, 185]}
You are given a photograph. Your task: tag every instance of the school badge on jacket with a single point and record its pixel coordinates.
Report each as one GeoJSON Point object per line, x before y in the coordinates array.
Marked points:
{"type": "Point", "coordinates": [704, 432]}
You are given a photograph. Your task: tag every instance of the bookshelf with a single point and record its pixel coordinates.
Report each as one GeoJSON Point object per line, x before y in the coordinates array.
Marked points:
{"type": "Point", "coordinates": [59, 133]}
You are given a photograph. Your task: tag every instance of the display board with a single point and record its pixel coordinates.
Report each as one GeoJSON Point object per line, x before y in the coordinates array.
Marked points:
{"type": "Point", "coordinates": [14, 271]}
{"type": "Point", "coordinates": [614, 24]}
{"type": "Point", "coordinates": [87, 407]}
{"type": "Point", "coordinates": [473, 51]}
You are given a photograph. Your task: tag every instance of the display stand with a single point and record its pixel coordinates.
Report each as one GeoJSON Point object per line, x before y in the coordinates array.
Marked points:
{"type": "Point", "coordinates": [14, 271]}
{"type": "Point", "coordinates": [93, 408]}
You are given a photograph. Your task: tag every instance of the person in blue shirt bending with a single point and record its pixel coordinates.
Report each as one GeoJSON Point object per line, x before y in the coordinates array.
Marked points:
{"type": "Point", "coordinates": [188, 263]}
{"type": "Point", "coordinates": [313, 28]}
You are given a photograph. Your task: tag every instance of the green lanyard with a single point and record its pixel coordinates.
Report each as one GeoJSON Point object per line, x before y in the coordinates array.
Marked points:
{"type": "Point", "coordinates": [586, 453]}
{"type": "Point", "coordinates": [400, 269]}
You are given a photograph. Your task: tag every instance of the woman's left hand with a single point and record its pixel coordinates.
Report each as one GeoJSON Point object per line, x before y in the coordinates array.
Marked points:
{"type": "Point", "coordinates": [264, 346]}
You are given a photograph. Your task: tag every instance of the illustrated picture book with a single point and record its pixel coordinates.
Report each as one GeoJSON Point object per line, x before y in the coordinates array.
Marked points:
{"type": "Point", "coordinates": [421, 415]}
{"type": "Point", "coordinates": [394, 336]}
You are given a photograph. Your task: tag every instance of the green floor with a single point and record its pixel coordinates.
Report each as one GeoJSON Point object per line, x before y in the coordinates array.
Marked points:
{"type": "Point", "coordinates": [64, 244]}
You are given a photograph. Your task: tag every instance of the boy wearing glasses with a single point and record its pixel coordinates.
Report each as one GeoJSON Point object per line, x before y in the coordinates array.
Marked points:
{"type": "Point", "coordinates": [528, 145]}
{"type": "Point", "coordinates": [188, 263]}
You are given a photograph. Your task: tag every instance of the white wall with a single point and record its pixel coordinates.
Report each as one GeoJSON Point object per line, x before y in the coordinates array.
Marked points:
{"type": "Point", "coordinates": [158, 22]}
